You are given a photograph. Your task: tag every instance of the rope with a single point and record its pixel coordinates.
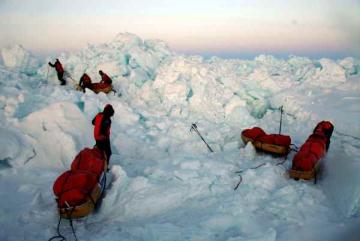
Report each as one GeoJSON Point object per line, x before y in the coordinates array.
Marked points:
{"type": "Point", "coordinates": [347, 135]}
{"type": "Point", "coordinates": [294, 148]}
{"type": "Point", "coordinates": [59, 236]}
{"type": "Point", "coordinates": [262, 164]}
{"type": "Point", "coordinates": [281, 162]}
{"type": "Point", "coordinates": [241, 178]}
{"type": "Point", "coordinates": [67, 75]}
{"type": "Point", "coordinates": [238, 184]}
{"type": "Point", "coordinates": [72, 228]}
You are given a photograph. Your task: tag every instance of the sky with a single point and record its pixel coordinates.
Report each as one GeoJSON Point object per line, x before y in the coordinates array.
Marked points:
{"type": "Point", "coordinates": [225, 28]}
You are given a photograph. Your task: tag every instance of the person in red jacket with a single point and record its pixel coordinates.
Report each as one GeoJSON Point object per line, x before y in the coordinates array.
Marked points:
{"type": "Point", "coordinates": [59, 70]}
{"type": "Point", "coordinates": [102, 125]}
{"type": "Point", "coordinates": [105, 79]}
{"type": "Point", "coordinates": [85, 81]}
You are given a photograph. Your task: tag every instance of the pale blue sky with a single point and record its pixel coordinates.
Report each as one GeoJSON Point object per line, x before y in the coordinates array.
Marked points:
{"type": "Point", "coordinates": [228, 28]}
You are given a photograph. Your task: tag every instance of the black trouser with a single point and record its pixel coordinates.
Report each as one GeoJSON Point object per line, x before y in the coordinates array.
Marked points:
{"type": "Point", "coordinates": [61, 78]}
{"type": "Point", "coordinates": [105, 146]}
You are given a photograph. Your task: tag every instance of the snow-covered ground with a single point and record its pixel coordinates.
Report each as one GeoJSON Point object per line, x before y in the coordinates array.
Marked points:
{"type": "Point", "coordinates": [166, 185]}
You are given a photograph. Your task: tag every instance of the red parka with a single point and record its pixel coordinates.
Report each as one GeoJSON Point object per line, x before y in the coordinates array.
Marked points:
{"type": "Point", "coordinates": [105, 79]}
{"type": "Point", "coordinates": [102, 127]}
{"type": "Point", "coordinates": [58, 67]}
{"type": "Point", "coordinates": [85, 81]}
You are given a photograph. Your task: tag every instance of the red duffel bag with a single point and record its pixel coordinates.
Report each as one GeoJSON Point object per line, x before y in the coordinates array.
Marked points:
{"type": "Point", "coordinates": [73, 188]}
{"type": "Point", "coordinates": [91, 160]}
{"type": "Point", "coordinates": [101, 87]}
{"type": "Point", "coordinates": [275, 139]}
{"type": "Point", "coordinates": [305, 162]}
{"type": "Point", "coordinates": [253, 133]}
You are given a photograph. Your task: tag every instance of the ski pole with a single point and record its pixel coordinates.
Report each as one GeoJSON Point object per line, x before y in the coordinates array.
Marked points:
{"type": "Point", "coordinates": [281, 114]}
{"type": "Point", "coordinates": [194, 128]}
{"type": "Point", "coordinates": [47, 74]}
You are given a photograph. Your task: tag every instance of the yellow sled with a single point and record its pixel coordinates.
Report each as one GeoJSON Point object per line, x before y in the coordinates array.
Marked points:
{"type": "Point", "coordinates": [106, 90]}
{"type": "Point", "coordinates": [305, 175]}
{"type": "Point", "coordinates": [89, 205]}
{"type": "Point", "coordinates": [84, 209]}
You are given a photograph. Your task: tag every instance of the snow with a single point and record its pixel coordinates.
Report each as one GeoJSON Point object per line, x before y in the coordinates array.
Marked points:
{"type": "Point", "coordinates": [16, 57]}
{"type": "Point", "coordinates": [165, 184]}
{"type": "Point", "coordinates": [58, 131]}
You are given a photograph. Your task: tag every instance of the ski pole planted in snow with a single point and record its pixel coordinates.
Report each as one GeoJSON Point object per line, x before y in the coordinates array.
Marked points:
{"type": "Point", "coordinates": [281, 114]}
{"type": "Point", "coordinates": [47, 73]}
{"type": "Point", "coordinates": [194, 128]}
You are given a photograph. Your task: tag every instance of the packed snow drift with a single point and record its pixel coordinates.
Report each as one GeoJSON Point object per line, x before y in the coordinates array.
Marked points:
{"type": "Point", "coordinates": [166, 185]}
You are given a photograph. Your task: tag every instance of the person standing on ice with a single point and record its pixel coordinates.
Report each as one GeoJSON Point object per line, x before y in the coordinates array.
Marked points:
{"type": "Point", "coordinates": [102, 125]}
{"type": "Point", "coordinates": [85, 82]}
{"type": "Point", "coordinates": [59, 70]}
{"type": "Point", "coordinates": [105, 79]}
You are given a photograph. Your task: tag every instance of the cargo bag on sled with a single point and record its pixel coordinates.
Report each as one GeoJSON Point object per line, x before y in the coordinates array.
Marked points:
{"type": "Point", "coordinates": [78, 190]}
{"type": "Point", "coordinates": [306, 162]}
{"type": "Point", "coordinates": [272, 143]}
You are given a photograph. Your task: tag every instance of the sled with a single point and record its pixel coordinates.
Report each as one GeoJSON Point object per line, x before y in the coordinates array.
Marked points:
{"type": "Point", "coordinates": [97, 88]}
{"type": "Point", "coordinates": [87, 207]}
{"type": "Point", "coordinates": [306, 162]}
{"type": "Point", "coordinates": [273, 143]}
{"type": "Point", "coordinates": [305, 175]}
{"type": "Point", "coordinates": [78, 88]}
{"type": "Point", "coordinates": [78, 190]}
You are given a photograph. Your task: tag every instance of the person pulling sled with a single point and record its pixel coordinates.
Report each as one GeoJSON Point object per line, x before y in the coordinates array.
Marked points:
{"type": "Point", "coordinates": [59, 70]}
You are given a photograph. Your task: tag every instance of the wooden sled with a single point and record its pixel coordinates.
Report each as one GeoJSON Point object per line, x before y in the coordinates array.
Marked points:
{"type": "Point", "coordinates": [96, 88]}
{"type": "Point", "coordinates": [271, 148]}
{"type": "Point", "coordinates": [78, 88]}
{"type": "Point", "coordinates": [306, 163]}
{"type": "Point", "coordinates": [305, 175]}
{"type": "Point", "coordinates": [88, 206]}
